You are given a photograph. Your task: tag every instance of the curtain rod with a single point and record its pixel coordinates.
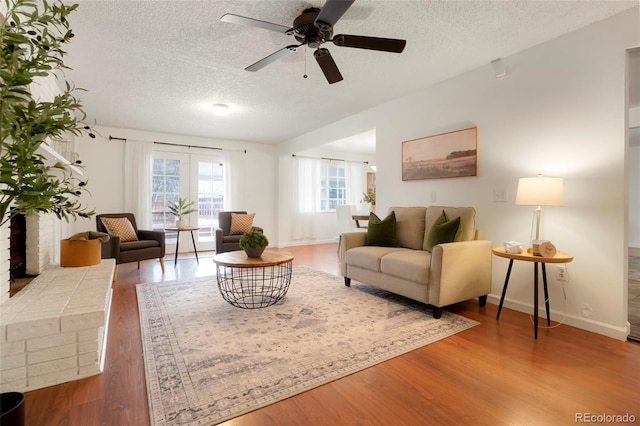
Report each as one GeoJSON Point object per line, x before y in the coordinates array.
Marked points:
{"type": "Point", "coordinates": [328, 159]}
{"type": "Point", "coordinates": [177, 144]}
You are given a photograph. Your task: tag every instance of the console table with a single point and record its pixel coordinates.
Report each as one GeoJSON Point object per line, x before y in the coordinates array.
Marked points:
{"type": "Point", "coordinates": [525, 256]}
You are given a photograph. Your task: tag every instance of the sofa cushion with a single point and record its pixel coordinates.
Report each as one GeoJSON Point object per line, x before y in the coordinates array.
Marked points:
{"type": "Point", "coordinates": [241, 223]}
{"type": "Point", "coordinates": [382, 232]}
{"type": "Point", "coordinates": [411, 265]}
{"type": "Point", "coordinates": [368, 257]}
{"type": "Point", "coordinates": [442, 231]}
{"type": "Point", "coordinates": [120, 227]}
{"type": "Point", "coordinates": [410, 226]}
{"type": "Point", "coordinates": [467, 217]}
{"type": "Point", "coordinates": [138, 245]}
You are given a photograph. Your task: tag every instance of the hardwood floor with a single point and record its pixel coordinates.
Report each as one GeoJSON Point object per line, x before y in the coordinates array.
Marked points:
{"type": "Point", "coordinates": [493, 374]}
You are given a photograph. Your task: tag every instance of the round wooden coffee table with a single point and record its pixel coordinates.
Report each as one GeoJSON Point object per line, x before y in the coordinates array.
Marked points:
{"type": "Point", "coordinates": [250, 283]}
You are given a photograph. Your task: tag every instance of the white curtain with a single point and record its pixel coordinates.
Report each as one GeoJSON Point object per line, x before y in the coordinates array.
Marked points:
{"type": "Point", "coordinates": [233, 180]}
{"type": "Point", "coordinates": [306, 197]}
{"type": "Point", "coordinates": [356, 174]}
{"type": "Point", "coordinates": [138, 163]}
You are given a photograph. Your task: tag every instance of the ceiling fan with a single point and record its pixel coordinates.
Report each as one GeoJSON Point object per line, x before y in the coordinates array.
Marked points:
{"type": "Point", "coordinates": [313, 28]}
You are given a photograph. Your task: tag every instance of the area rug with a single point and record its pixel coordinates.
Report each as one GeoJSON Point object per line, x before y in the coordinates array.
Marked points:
{"type": "Point", "coordinates": [207, 361]}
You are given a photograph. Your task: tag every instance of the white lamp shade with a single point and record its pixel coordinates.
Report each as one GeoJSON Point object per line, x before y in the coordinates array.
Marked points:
{"type": "Point", "coordinates": [540, 191]}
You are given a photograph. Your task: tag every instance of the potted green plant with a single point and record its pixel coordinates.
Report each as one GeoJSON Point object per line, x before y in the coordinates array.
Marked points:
{"type": "Point", "coordinates": [32, 40]}
{"type": "Point", "coordinates": [253, 243]}
{"type": "Point", "coordinates": [370, 197]}
{"type": "Point", "coordinates": [180, 209]}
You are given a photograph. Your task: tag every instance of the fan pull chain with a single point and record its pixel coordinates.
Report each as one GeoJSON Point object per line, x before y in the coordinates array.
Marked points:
{"type": "Point", "coordinates": [305, 62]}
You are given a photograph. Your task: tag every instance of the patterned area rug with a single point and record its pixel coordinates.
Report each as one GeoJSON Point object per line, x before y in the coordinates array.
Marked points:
{"type": "Point", "coordinates": [207, 361]}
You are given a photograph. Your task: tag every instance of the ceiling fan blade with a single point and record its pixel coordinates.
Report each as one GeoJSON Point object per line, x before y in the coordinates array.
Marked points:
{"type": "Point", "coordinates": [327, 65]}
{"type": "Point", "coordinates": [250, 22]}
{"type": "Point", "coordinates": [332, 11]}
{"type": "Point", "coordinates": [272, 58]}
{"type": "Point", "coordinates": [372, 43]}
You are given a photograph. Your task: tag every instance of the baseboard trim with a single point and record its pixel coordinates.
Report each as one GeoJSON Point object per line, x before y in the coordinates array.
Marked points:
{"type": "Point", "coordinates": [609, 330]}
{"type": "Point", "coordinates": [306, 243]}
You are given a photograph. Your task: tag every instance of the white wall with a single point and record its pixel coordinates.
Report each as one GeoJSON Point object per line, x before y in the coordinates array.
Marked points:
{"type": "Point", "coordinates": [560, 111]}
{"type": "Point", "coordinates": [103, 161]}
{"type": "Point", "coordinates": [633, 177]}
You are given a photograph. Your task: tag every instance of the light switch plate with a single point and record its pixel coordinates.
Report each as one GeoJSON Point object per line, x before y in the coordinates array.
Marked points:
{"type": "Point", "coordinates": [500, 195]}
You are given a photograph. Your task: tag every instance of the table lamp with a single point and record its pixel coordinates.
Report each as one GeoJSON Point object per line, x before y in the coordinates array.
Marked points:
{"type": "Point", "coordinates": [539, 191]}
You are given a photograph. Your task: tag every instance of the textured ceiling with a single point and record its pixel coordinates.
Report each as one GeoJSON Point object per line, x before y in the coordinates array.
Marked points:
{"type": "Point", "coordinates": [160, 65]}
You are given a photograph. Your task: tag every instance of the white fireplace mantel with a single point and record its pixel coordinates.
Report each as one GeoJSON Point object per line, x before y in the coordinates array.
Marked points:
{"type": "Point", "coordinates": [55, 329]}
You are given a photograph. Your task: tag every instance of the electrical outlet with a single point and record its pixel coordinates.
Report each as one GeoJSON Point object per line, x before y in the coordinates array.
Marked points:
{"type": "Point", "coordinates": [433, 197]}
{"type": "Point", "coordinates": [562, 274]}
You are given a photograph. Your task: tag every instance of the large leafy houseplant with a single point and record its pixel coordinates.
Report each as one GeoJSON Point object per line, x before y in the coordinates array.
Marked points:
{"type": "Point", "coordinates": [32, 37]}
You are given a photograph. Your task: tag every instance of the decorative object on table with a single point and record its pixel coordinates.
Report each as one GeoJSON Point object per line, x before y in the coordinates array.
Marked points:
{"type": "Point", "coordinates": [447, 155]}
{"type": "Point", "coordinates": [539, 191]}
{"type": "Point", "coordinates": [82, 249]}
{"type": "Point", "coordinates": [253, 243]}
{"type": "Point", "coordinates": [262, 356]}
{"type": "Point", "coordinates": [513, 247]}
{"type": "Point", "coordinates": [180, 209]}
{"type": "Point", "coordinates": [544, 248]}
{"type": "Point", "coordinates": [37, 33]}
{"type": "Point", "coordinates": [370, 197]}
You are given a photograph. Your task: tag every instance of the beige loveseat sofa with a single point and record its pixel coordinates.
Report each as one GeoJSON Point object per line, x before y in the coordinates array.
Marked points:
{"type": "Point", "coordinates": [450, 273]}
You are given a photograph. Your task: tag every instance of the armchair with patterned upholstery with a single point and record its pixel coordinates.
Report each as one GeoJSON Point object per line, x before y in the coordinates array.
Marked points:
{"type": "Point", "coordinates": [228, 239]}
{"type": "Point", "coordinates": [127, 242]}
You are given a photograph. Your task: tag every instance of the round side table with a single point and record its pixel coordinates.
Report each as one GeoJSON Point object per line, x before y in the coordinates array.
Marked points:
{"type": "Point", "coordinates": [525, 256]}
{"type": "Point", "coordinates": [250, 283]}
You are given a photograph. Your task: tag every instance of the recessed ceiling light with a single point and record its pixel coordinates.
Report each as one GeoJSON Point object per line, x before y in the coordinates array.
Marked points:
{"type": "Point", "coordinates": [220, 109]}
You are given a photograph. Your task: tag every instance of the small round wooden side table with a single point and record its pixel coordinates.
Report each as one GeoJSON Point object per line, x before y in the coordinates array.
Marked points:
{"type": "Point", "coordinates": [525, 256]}
{"type": "Point", "coordinates": [250, 283]}
{"type": "Point", "coordinates": [178, 230]}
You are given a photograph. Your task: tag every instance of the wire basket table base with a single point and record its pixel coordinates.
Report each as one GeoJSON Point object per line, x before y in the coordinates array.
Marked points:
{"type": "Point", "coordinates": [254, 287]}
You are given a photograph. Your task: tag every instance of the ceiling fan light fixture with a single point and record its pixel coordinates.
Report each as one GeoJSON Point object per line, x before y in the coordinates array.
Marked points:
{"type": "Point", "coordinates": [220, 109]}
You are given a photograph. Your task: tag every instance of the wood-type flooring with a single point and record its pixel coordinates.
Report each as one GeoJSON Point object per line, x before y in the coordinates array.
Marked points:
{"type": "Point", "coordinates": [492, 374]}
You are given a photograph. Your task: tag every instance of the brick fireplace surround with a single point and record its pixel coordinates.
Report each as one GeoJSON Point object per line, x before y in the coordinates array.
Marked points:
{"type": "Point", "coordinates": [55, 329]}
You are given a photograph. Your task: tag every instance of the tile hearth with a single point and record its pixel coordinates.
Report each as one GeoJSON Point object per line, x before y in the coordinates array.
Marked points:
{"type": "Point", "coordinates": [54, 330]}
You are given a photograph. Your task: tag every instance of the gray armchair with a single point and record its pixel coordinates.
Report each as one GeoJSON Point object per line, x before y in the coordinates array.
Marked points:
{"type": "Point", "coordinates": [225, 241]}
{"type": "Point", "coordinates": [150, 244]}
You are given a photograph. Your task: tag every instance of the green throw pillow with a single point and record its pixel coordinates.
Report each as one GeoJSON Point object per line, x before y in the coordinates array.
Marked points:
{"type": "Point", "coordinates": [382, 232]}
{"type": "Point", "coordinates": [442, 232]}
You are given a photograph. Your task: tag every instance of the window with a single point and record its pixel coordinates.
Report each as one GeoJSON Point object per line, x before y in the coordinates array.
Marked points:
{"type": "Point", "coordinates": [333, 190]}
{"type": "Point", "coordinates": [210, 196]}
{"type": "Point", "coordinates": [165, 189]}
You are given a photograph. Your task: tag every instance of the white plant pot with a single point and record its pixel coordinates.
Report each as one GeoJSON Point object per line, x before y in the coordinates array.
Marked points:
{"type": "Point", "coordinates": [180, 223]}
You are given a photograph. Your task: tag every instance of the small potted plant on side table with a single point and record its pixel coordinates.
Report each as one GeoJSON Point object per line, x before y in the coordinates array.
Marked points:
{"type": "Point", "coordinates": [253, 243]}
{"type": "Point", "coordinates": [180, 209]}
{"type": "Point", "coordinates": [370, 197]}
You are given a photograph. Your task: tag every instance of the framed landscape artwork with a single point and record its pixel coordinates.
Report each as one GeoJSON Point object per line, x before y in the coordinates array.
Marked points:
{"type": "Point", "coordinates": [453, 154]}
